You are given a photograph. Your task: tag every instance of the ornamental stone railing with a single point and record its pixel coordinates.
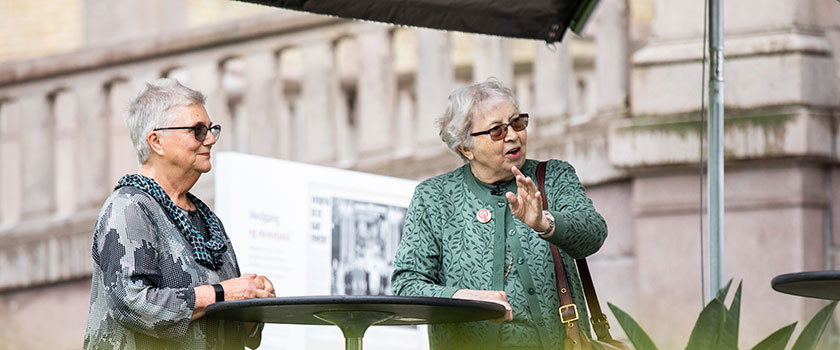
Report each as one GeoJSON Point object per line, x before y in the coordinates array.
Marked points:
{"type": "Point", "coordinates": [307, 88]}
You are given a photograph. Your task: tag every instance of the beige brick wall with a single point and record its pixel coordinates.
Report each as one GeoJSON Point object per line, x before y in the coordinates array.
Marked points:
{"type": "Point", "coordinates": [207, 12]}
{"type": "Point", "coordinates": [36, 28]}
{"type": "Point", "coordinates": [31, 29]}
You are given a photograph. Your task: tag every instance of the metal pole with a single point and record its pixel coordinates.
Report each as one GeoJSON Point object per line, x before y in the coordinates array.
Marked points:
{"type": "Point", "coordinates": [715, 135]}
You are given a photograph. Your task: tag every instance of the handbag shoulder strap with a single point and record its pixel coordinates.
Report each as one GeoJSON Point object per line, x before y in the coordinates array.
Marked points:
{"type": "Point", "coordinates": [598, 319]}
{"type": "Point", "coordinates": [568, 309]}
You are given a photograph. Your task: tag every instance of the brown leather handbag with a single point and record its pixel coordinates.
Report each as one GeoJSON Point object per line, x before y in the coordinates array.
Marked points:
{"type": "Point", "coordinates": [576, 339]}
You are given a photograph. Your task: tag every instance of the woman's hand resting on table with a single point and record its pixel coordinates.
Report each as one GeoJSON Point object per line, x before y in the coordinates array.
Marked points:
{"type": "Point", "coordinates": [248, 286]}
{"type": "Point", "coordinates": [493, 296]}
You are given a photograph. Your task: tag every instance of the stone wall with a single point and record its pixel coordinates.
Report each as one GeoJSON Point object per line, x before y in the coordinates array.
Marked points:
{"type": "Point", "coordinates": [780, 135]}
{"type": "Point", "coordinates": [285, 85]}
{"type": "Point", "coordinates": [26, 33]}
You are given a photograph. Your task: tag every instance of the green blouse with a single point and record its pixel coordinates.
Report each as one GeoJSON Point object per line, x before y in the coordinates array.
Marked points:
{"type": "Point", "coordinates": [445, 247]}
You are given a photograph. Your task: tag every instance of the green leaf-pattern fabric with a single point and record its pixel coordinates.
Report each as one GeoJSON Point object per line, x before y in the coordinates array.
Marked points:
{"type": "Point", "coordinates": [445, 248]}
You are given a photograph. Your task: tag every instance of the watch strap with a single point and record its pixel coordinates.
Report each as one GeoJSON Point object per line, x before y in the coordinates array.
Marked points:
{"type": "Point", "coordinates": [551, 223]}
{"type": "Point", "coordinates": [220, 292]}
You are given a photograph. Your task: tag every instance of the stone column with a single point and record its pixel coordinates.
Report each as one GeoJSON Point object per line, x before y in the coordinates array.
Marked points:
{"type": "Point", "coordinates": [611, 61]}
{"type": "Point", "coordinates": [405, 128]}
{"type": "Point", "coordinates": [233, 83]}
{"type": "Point", "coordinates": [123, 156]}
{"type": "Point", "coordinates": [376, 91]}
{"type": "Point", "coordinates": [552, 78]}
{"type": "Point", "coordinates": [348, 55]}
{"type": "Point", "coordinates": [289, 72]}
{"type": "Point", "coordinates": [285, 128]}
{"type": "Point", "coordinates": [434, 83]}
{"type": "Point", "coordinates": [92, 147]}
{"type": "Point", "coordinates": [522, 90]}
{"type": "Point", "coordinates": [37, 156]}
{"type": "Point", "coordinates": [259, 99]}
{"type": "Point", "coordinates": [66, 133]}
{"type": "Point", "coordinates": [10, 157]}
{"type": "Point", "coordinates": [493, 58]}
{"type": "Point", "coordinates": [832, 30]}
{"type": "Point", "coordinates": [315, 109]}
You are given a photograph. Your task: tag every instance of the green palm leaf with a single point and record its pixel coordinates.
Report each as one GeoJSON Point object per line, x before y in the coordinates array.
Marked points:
{"type": "Point", "coordinates": [814, 329]}
{"type": "Point", "coordinates": [778, 340]}
{"type": "Point", "coordinates": [721, 294]}
{"type": "Point", "coordinates": [637, 335]}
{"type": "Point", "coordinates": [729, 334]}
{"type": "Point", "coordinates": [706, 331]}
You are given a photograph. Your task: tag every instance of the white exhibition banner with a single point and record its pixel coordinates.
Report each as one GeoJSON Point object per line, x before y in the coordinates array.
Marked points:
{"type": "Point", "coordinates": [315, 230]}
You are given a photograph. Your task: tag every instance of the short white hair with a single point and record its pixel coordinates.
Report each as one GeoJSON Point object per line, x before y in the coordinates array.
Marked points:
{"type": "Point", "coordinates": [152, 108]}
{"type": "Point", "coordinates": [455, 125]}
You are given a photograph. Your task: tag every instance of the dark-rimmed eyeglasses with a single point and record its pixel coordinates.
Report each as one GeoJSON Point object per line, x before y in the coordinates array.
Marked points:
{"type": "Point", "coordinates": [499, 132]}
{"type": "Point", "coordinates": [199, 130]}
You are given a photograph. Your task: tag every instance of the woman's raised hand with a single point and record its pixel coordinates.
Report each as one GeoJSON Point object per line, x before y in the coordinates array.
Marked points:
{"type": "Point", "coordinates": [493, 296]}
{"type": "Point", "coordinates": [248, 286]}
{"type": "Point", "coordinates": [527, 204]}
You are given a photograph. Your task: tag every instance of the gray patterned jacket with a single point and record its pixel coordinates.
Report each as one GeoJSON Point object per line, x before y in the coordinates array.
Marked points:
{"type": "Point", "coordinates": [144, 273]}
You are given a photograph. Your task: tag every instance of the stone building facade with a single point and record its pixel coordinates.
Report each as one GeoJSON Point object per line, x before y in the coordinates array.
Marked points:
{"type": "Point", "coordinates": [621, 103]}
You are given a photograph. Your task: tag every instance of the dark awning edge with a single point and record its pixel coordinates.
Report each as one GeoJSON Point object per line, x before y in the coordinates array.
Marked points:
{"type": "Point", "coordinates": [541, 20]}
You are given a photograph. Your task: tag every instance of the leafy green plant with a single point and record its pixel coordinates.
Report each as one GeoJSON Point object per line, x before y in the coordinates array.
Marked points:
{"type": "Point", "coordinates": [717, 327]}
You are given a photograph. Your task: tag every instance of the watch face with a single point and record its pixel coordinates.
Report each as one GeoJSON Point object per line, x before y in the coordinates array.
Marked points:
{"type": "Point", "coordinates": [550, 218]}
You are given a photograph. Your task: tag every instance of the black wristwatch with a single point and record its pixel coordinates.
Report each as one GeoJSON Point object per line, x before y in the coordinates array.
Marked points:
{"type": "Point", "coordinates": [220, 292]}
{"type": "Point", "coordinates": [550, 218]}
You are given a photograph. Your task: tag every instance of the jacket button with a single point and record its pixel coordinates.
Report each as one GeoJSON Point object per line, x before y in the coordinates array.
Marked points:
{"type": "Point", "coordinates": [520, 261]}
{"type": "Point", "coordinates": [501, 204]}
{"type": "Point", "coordinates": [512, 232]}
{"type": "Point", "coordinates": [531, 291]}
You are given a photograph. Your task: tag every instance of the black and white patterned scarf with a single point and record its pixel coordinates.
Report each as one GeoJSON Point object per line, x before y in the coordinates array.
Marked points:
{"type": "Point", "coordinates": [207, 252]}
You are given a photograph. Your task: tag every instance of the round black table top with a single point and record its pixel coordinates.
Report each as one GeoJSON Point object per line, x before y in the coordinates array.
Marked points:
{"type": "Point", "coordinates": [406, 310]}
{"type": "Point", "coordinates": [812, 284]}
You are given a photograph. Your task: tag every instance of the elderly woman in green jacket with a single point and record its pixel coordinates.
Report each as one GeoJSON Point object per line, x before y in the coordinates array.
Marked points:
{"type": "Point", "coordinates": [480, 231]}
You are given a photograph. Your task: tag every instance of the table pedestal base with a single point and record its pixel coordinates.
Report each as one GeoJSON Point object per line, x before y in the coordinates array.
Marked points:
{"type": "Point", "coordinates": [353, 324]}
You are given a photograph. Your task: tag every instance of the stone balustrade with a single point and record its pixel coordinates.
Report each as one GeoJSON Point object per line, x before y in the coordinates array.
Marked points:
{"type": "Point", "coordinates": [301, 87]}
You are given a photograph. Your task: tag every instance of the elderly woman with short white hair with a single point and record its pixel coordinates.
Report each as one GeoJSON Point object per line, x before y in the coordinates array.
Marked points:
{"type": "Point", "coordinates": [160, 255]}
{"type": "Point", "coordinates": [481, 232]}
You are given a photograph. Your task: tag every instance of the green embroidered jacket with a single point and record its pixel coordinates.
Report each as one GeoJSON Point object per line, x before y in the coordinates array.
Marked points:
{"type": "Point", "coordinates": [445, 248]}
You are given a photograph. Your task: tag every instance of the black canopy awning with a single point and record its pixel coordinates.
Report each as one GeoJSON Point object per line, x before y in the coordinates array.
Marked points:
{"type": "Point", "coordinates": [531, 19]}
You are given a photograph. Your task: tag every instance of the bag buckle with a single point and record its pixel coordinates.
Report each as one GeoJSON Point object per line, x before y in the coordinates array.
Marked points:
{"type": "Point", "coordinates": [568, 313]}
{"type": "Point", "coordinates": [600, 320]}
{"type": "Point", "coordinates": [601, 326]}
